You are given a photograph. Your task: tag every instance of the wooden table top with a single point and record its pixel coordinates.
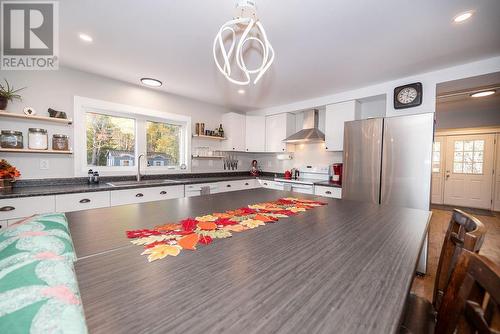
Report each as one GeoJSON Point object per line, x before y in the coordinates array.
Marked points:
{"type": "Point", "coordinates": [342, 268]}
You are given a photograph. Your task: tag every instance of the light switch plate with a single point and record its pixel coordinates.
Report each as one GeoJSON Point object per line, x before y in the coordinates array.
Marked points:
{"type": "Point", "coordinates": [44, 164]}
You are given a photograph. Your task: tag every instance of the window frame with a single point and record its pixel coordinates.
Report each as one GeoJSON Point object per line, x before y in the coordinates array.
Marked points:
{"type": "Point", "coordinates": [82, 105]}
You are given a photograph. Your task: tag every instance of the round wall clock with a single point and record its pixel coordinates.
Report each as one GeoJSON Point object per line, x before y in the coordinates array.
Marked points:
{"type": "Point", "coordinates": [408, 96]}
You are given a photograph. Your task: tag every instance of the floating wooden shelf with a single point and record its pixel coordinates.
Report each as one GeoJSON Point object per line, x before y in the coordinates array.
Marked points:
{"type": "Point", "coordinates": [3, 113]}
{"type": "Point", "coordinates": [209, 137]}
{"type": "Point", "coordinates": [27, 150]}
{"type": "Point", "coordinates": [207, 157]}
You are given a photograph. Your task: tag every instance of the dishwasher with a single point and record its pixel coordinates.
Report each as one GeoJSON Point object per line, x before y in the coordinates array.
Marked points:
{"type": "Point", "coordinates": [201, 189]}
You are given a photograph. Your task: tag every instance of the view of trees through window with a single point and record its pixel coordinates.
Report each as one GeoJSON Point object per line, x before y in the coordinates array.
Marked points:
{"type": "Point", "coordinates": [110, 140]}
{"type": "Point", "coordinates": [163, 144]}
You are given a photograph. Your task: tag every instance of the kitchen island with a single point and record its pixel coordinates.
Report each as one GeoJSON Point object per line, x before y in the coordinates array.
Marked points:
{"type": "Point", "coordinates": [346, 267]}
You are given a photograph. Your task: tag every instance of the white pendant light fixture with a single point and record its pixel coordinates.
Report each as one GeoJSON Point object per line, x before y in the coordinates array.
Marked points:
{"type": "Point", "coordinates": [246, 20]}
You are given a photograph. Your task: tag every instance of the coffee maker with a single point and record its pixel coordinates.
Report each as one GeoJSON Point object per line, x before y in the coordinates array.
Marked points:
{"type": "Point", "coordinates": [336, 174]}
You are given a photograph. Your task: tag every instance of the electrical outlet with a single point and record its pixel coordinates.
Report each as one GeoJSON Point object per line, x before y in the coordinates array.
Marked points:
{"type": "Point", "coordinates": [44, 164]}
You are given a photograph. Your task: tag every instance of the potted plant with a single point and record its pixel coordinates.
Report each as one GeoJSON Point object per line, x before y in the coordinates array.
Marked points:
{"type": "Point", "coordinates": [8, 174]}
{"type": "Point", "coordinates": [8, 93]}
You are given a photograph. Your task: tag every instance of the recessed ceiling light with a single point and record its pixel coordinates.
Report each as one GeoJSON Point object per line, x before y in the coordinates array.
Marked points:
{"type": "Point", "coordinates": [86, 38]}
{"type": "Point", "coordinates": [463, 17]}
{"type": "Point", "coordinates": [483, 93]}
{"type": "Point", "coordinates": [151, 82]}
{"type": "Point", "coordinates": [241, 91]}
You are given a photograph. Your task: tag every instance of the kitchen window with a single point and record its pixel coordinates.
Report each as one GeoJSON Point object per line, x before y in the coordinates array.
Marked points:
{"type": "Point", "coordinates": [468, 157]}
{"type": "Point", "coordinates": [110, 137]}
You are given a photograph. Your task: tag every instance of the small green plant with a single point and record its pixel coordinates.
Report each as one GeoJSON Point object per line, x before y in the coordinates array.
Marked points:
{"type": "Point", "coordinates": [9, 93]}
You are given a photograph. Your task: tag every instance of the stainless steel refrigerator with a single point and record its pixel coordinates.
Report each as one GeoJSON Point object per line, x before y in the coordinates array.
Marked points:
{"type": "Point", "coordinates": [388, 161]}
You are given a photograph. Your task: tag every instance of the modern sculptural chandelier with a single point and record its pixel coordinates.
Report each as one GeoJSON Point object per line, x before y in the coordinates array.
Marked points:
{"type": "Point", "coordinates": [246, 20]}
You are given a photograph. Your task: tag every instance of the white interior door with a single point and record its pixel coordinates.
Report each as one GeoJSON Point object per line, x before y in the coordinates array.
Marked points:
{"type": "Point", "coordinates": [438, 168]}
{"type": "Point", "coordinates": [469, 171]}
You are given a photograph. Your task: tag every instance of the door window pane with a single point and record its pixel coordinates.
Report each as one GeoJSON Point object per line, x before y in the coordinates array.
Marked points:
{"type": "Point", "coordinates": [436, 157]}
{"type": "Point", "coordinates": [477, 168]}
{"type": "Point", "coordinates": [163, 144]}
{"type": "Point", "coordinates": [457, 167]}
{"type": "Point", "coordinates": [110, 140]}
{"type": "Point", "coordinates": [468, 156]}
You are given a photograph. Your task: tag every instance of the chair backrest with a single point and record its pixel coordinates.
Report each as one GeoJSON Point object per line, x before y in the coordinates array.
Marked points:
{"type": "Point", "coordinates": [471, 302]}
{"type": "Point", "coordinates": [464, 232]}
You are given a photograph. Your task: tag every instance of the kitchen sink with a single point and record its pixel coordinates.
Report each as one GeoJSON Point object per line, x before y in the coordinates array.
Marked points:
{"type": "Point", "coordinates": [141, 183]}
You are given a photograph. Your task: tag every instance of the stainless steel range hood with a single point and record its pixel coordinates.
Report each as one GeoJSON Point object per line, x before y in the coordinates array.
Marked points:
{"type": "Point", "coordinates": [310, 132]}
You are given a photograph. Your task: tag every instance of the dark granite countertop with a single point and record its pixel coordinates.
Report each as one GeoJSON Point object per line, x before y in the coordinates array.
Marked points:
{"type": "Point", "coordinates": [30, 188]}
{"type": "Point", "coordinates": [327, 184]}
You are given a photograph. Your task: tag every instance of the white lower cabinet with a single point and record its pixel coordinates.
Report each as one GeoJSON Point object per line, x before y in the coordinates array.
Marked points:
{"type": "Point", "coordinates": [328, 192]}
{"type": "Point", "coordinates": [236, 185]}
{"type": "Point", "coordinates": [13, 208]}
{"type": "Point", "coordinates": [82, 201]}
{"type": "Point", "coordinates": [141, 195]}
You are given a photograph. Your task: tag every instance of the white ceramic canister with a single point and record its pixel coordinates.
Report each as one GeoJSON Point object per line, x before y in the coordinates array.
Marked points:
{"type": "Point", "coordinates": [38, 139]}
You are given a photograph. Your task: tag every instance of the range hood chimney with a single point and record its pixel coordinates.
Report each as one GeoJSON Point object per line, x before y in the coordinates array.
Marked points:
{"type": "Point", "coordinates": [310, 132]}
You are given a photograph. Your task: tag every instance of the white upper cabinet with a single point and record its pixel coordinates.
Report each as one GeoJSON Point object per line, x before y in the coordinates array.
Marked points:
{"type": "Point", "coordinates": [279, 127]}
{"type": "Point", "coordinates": [255, 134]}
{"type": "Point", "coordinates": [235, 131]}
{"type": "Point", "coordinates": [336, 115]}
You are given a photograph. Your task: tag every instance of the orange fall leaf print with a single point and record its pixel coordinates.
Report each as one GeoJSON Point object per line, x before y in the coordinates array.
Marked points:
{"type": "Point", "coordinates": [189, 241]}
{"type": "Point", "coordinates": [207, 226]}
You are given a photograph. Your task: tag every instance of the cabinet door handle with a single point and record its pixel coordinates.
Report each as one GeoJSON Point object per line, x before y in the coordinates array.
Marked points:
{"type": "Point", "coordinates": [265, 183]}
{"type": "Point", "coordinates": [7, 208]}
{"type": "Point", "coordinates": [328, 192]}
{"type": "Point", "coordinates": [246, 183]}
{"type": "Point", "coordinates": [163, 192]}
{"type": "Point", "coordinates": [85, 200]}
{"type": "Point", "coordinates": [139, 195]}
{"type": "Point", "coordinates": [228, 185]}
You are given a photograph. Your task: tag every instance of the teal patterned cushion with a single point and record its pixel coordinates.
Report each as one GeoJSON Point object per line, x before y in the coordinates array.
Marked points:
{"type": "Point", "coordinates": [39, 294]}
{"type": "Point", "coordinates": [43, 233]}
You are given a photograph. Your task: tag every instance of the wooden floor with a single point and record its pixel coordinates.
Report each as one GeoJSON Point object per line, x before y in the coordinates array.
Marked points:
{"type": "Point", "coordinates": [423, 286]}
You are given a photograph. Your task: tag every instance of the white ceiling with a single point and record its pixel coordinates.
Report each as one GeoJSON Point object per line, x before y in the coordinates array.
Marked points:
{"type": "Point", "coordinates": [466, 103]}
{"type": "Point", "coordinates": [322, 46]}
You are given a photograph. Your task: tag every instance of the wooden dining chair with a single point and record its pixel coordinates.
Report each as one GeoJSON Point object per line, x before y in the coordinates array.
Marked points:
{"type": "Point", "coordinates": [471, 301]}
{"type": "Point", "coordinates": [464, 232]}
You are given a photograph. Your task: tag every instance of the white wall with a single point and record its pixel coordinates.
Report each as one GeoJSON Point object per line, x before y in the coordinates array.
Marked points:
{"type": "Point", "coordinates": [56, 89]}
{"type": "Point", "coordinates": [467, 119]}
{"type": "Point", "coordinates": [305, 154]}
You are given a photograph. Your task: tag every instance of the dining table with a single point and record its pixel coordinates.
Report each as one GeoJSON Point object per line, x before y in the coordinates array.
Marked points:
{"type": "Point", "coordinates": [344, 267]}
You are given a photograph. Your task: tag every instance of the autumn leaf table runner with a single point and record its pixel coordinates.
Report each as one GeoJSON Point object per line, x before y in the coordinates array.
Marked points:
{"type": "Point", "coordinates": [191, 233]}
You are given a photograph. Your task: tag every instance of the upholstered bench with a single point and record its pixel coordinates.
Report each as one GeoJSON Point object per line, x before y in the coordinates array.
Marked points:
{"type": "Point", "coordinates": [38, 286]}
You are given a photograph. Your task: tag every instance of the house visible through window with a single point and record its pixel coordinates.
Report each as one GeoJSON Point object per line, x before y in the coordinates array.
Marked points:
{"type": "Point", "coordinates": [112, 136]}
{"type": "Point", "coordinates": [110, 140]}
{"type": "Point", "coordinates": [468, 157]}
{"type": "Point", "coordinates": [163, 144]}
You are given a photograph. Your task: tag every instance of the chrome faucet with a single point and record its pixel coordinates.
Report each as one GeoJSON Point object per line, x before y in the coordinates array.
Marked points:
{"type": "Point", "coordinates": [139, 176]}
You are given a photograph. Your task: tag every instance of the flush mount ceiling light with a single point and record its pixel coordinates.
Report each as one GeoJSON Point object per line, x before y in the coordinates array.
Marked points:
{"type": "Point", "coordinates": [247, 22]}
{"type": "Point", "coordinates": [151, 82]}
{"type": "Point", "coordinates": [241, 91]}
{"type": "Point", "coordinates": [483, 93]}
{"type": "Point", "coordinates": [85, 38]}
{"type": "Point", "coordinates": [463, 17]}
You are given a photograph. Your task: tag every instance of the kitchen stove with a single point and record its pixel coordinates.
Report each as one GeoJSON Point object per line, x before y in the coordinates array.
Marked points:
{"type": "Point", "coordinates": [305, 183]}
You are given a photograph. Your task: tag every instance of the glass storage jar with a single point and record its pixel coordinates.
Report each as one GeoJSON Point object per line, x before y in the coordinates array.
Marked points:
{"type": "Point", "coordinates": [38, 139]}
{"type": "Point", "coordinates": [60, 142]}
{"type": "Point", "coordinates": [11, 139]}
